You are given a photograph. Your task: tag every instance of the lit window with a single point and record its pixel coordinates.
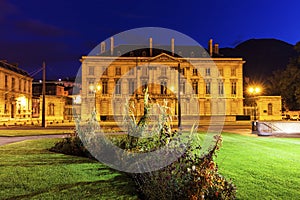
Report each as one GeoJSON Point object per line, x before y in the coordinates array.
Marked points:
{"type": "Point", "coordinates": [207, 87]}
{"type": "Point", "coordinates": [207, 71]}
{"type": "Point", "coordinates": [233, 71]}
{"type": "Point", "coordinates": [221, 88]}
{"type": "Point", "coordinates": [105, 71]}
{"type": "Point", "coordinates": [91, 70]}
{"type": "Point", "coordinates": [6, 81]}
{"type": "Point", "coordinates": [13, 84]}
{"type": "Point", "coordinates": [118, 87]}
{"type": "Point", "coordinates": [182, 87]}
{"type": "Point", "coordinates": [131, 71]}
{"type": "Point", "coordinates": [233, 88]}
{"type": "Point", "coordinates": [104, 87]}
{"type": "Point", "coordinates": [195, 72]}
{"type": "Point", "coordinates": [163, 87]}
{"type": "Point", "coordinates": [118, 71]}
{"type": "Point", "coordinates": [131, 87]}
{"type": "Point", "coordinates": [221, 72]}
{"type": "Point", "coordinates": [163, 71]}
{"type": "Point", "coordinates": [195, 87]}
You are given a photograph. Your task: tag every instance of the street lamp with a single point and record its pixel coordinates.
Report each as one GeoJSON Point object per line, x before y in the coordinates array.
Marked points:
{"type": "Point", "coordinates": [254, 91]}
{"type": "Point", "coordinates": [94, 90]}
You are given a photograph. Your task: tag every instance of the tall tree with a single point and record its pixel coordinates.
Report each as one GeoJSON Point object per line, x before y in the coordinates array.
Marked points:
{"type": "Point", "coordinates": [287, 83]}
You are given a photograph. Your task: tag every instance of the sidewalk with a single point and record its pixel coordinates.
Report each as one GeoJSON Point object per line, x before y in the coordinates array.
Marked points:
{"type": "Point", "coordinates": [8, 140]}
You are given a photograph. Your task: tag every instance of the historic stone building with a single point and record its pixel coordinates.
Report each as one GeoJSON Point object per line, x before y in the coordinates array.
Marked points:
{"type": "Point", "coordinates": [209, 84]}
{"type": "Point", "coordinates": [15, 92]}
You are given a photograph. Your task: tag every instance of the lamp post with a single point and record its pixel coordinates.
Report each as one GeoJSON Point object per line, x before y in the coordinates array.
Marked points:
{"type": "Point", "coordinates": [179, 99]}
{"type": "Point", "coordinates": [94, 89]}
{"type": "Point", "coordinates": [254, 91]}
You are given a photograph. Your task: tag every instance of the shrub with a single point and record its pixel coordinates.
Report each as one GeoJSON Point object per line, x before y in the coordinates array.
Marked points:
{"type": "Point", "coordinates": [192, 176]}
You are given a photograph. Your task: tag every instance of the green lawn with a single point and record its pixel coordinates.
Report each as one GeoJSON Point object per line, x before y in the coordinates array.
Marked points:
{"type": "Point", "coordinates": [261, 167]}
{"type": "Point", "coordinates": [29, 171]}
{"type": "Point", "coordinates": [25, 132]}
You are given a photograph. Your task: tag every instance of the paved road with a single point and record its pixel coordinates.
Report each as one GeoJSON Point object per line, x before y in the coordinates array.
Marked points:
{"type": "Point", "coordinates": [8, 140]}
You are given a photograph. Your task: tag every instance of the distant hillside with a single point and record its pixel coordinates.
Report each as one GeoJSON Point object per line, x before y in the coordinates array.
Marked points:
{"type": "Point", "coordinates": [262, 56]}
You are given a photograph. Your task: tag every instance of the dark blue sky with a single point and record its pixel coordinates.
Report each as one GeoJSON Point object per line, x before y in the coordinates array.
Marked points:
{"type": "Point", "coordinates": [60, 32]}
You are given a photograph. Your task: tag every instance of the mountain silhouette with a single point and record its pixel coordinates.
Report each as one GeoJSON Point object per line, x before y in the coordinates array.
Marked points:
{"type": "Point", "coordinates": [262, 56]}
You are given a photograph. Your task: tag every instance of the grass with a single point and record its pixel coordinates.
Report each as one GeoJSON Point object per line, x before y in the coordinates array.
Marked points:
{"type": "Point", "coordinates": [261, 167]}
{"type": "Point", "coordinates": [29, 171]}
{"type": "Point", "coordinates": [30, 132]}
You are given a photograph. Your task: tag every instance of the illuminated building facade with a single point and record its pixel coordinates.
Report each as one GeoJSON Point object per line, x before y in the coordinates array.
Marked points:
{"type": "Point", "coordinates": [214, 88]}
{"type": "Point", "coordinates": [15, 92]}
{"type": "Point", "coordinates": [58, 103]}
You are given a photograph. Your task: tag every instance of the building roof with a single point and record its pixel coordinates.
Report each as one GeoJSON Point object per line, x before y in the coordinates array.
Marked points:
{"type": "Point", "coordinates": [144, 51]}
{"type": "Point", "coordinates": [13, 67]}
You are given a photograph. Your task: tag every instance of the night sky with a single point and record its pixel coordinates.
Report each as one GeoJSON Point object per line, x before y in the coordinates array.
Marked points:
{"type": "Point", "coordinates": [60, 32]}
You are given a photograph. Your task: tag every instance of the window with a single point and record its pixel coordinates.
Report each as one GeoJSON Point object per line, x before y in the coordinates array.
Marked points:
{"type": "Point", "coordinates": [118, 87]}
{"type": "Point", "coordinates": [207, 87]}
{"type": "Point", "coordinates": [91, 86]}
{"type": "Point", "coordinates": [145, 71]}
{"type": "Point", "coordinates": [163, 71]}
{"type": "Point", "coordinates": [131, 86]}
{"type": "Point", "coordinates": [131, 71]}
{"type": "Point", "coordinates": [182, 71]}
{"type": "Point", "coordinates": [221, 72]}
{"type": "Point", "coordinates": [5, 96]}
{"type": "Point", "coordinates": [6, 81]}
{"type": "Point", "coordinates": [144, 85]}
{"type": "Point", "coordinates": [118, 71]}
{"type": "Point", "coordinates": [207, 71]}
{"type": "Point", "coordinates": [182, 87]}
{"type": "Point", "coordinates": [105, 71]}
{"type": "Point", "coordinates": [20, 84]}
{"type": "Point", "coordinates": [221, 88]}
{"type": "Point", "coordinates": [195, 87]}
{"type": "Point", "coordinates": [233, 88]}
{"type": "Point", "coordinates": [195, 72]}
{"type": "Point", "coordinates": [13, 84]}
{"type": "Point", "coordinates": [24, 88]}
{"type": "Point", "coordinates": [91, 70]}
{"type": "Point", "coordinates": [270, 109]}
{"type": "Point", "coordinates": [104, 87]}
{"type": "Point", "coordinates": [233, 71]}
{"type": "Point", "coordinates": [163, 87]}
{"type": "Point", "coordinates": [51, 109]}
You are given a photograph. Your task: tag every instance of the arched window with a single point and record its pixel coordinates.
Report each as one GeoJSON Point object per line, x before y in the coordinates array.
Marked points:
{"type": "Point", "coordinates": [270, 109]}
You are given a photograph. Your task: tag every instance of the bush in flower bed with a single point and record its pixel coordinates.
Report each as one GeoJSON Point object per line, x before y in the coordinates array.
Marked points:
{"type": "Point", "coordinates": [71, 145]}
{"type": "Point", "coordinates": [193, 175]}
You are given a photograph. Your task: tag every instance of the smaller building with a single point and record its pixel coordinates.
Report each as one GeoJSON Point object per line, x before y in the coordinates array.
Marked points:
{"type": "Point", "coordinates": [58, 105]}
{"type": "Point", "coordinates": [264, 108]}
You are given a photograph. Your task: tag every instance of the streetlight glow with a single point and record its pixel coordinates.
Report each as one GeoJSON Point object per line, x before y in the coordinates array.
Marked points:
{"type": "Point", "coordinates": [254, 90]}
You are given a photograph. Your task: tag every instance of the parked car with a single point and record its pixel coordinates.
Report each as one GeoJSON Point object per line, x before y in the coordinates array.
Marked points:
{"type": "Point", "coordinates": [295, 117]}
{"type": "Point", "coordinates": [286, 116]}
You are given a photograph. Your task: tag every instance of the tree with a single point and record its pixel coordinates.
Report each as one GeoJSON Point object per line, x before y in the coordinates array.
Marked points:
{"type": "Point", "coordinates": [287, 83]}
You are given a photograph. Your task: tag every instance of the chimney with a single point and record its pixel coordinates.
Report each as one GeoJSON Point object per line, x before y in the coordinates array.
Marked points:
{"type": "Point", "coordinates": [111, 46]}
{"type": "Point", "coordinates": [102, 47]}
{"type": "Point", "coordinates": [216, 48]}
{"type": "Point", "coordinates": [173, 46]}
{"type": "Point", "coordinates": [210, 47]}
{"type": "Point", "coordinates": [150, 46]}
